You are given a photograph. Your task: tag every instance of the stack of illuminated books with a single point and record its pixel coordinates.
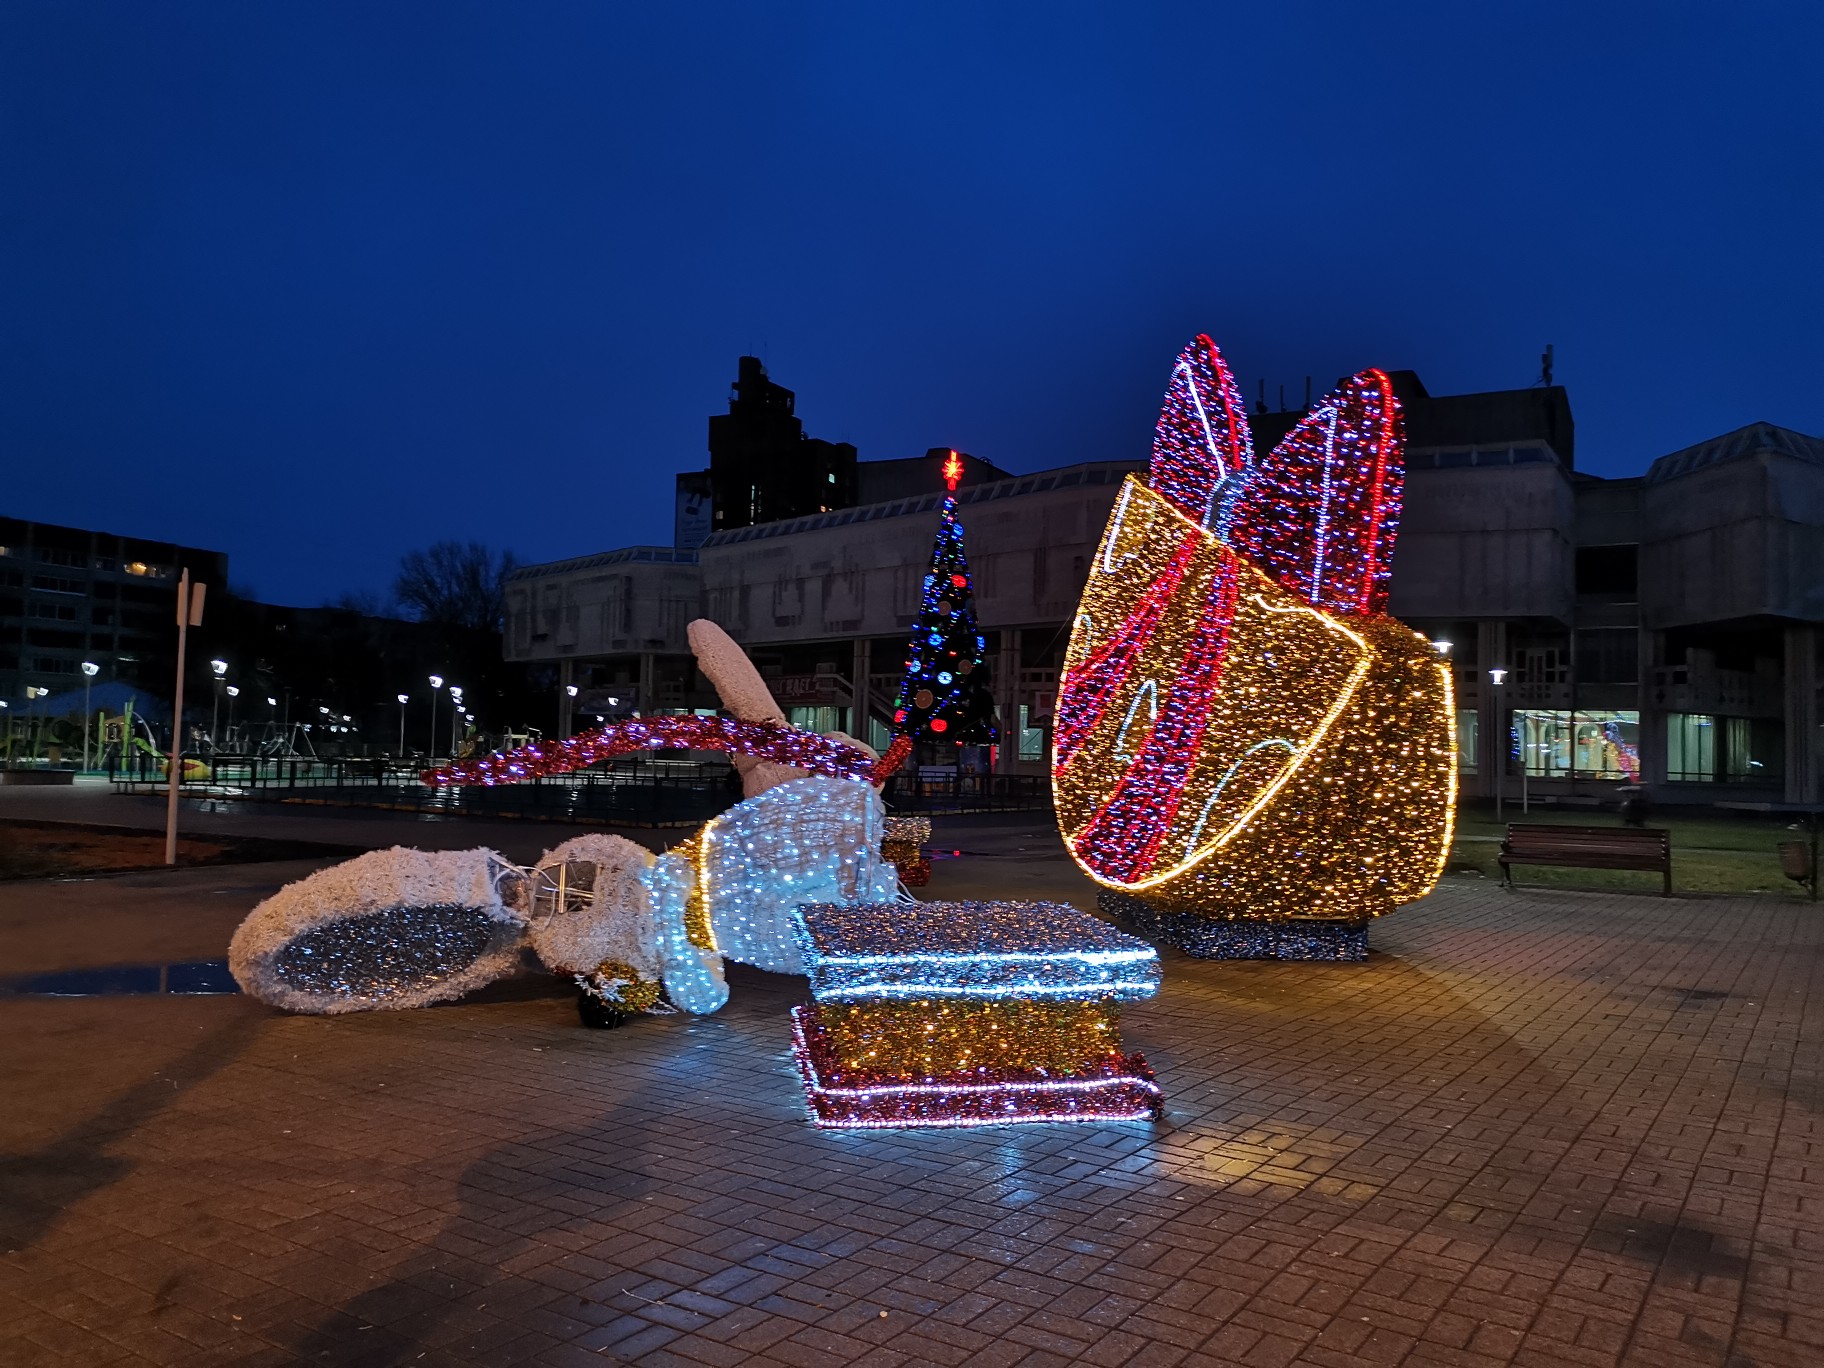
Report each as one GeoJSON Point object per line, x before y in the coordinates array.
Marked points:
{"type": "Point", "coordinates": [970, 1014]}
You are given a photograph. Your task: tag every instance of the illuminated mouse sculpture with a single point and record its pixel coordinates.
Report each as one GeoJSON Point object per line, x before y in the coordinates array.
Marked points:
{"type": "Point", "coordinates": [639, 932]}
{"type": "Point", "coordinates": [1249, 755]}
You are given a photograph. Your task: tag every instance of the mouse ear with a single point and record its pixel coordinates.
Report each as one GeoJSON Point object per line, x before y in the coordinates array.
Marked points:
{"type": "Point", "coordinates": [727, 667]}
{"type": "Point", "coordinates": [1202, 449]}
{"type": "Point", "coordinates": [1320, 511]}
{"type": "Point", "coordinates": [388, 930]}
{"type": "Point", "coordinates": [745, 695]}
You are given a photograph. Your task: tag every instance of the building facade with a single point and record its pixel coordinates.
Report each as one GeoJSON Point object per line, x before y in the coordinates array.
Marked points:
{"type": "Point", "coordinates": [1662, 629]}
{"type": "Point", "coordinates": [68, 595]}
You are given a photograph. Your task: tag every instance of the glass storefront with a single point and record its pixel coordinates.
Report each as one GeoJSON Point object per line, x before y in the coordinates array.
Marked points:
{"type": "Point", "coordinates": [1691, 748]}
{"type": "Point", "coordinates": [1702, 748]}
{"type": "Point", "coordinates": [1580, 745]}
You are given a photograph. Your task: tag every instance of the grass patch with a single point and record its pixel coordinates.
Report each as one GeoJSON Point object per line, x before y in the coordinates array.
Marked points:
{"type": "Point", "coordinates": [1710, 854]}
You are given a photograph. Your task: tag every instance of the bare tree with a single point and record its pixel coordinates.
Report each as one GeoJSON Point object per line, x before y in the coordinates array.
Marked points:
{"type": "Point", "coordinates": [454, 582]}
{"type": "Point", "coordinates": [366, 602]}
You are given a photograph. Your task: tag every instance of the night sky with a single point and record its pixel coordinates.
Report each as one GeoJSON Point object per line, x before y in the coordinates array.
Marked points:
{"type": "Point", "coordinates": [318, 283]}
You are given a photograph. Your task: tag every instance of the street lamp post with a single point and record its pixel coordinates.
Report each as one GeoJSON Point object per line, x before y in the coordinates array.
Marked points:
{"type": "Point", "coordinates": [220, 667]}
{"type": "Point", "coordinates": [32, 694]}
{"type": "Point", "coordinates": [456, 707]}
{"type": "Point", "coordinates": [436, 684]}
{"type": "Point", "coordinates": [89, 670]}
{"type": "Point", "coordinates": [1498, 676]}
{"type": "Point", "coordinates": [233, 691]}
{"type": "Point", "coordinates": [402, 699]}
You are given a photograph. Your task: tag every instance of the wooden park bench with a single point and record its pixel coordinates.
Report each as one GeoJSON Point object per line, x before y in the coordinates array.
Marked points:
{"type": "Point", "coordinates": [1648, 848]}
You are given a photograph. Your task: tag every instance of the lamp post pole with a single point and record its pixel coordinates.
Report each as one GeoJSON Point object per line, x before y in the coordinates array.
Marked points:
{"type": "Point", "coordinates": [402, 698]}
{"type": "Point", "coordinates": [436, 684]}
{"type": "Point", "coordinates": [220, 669]}
{"type": "Point", "coordinates": [89, 670]}
{"type": "Point", "coordinates": [233, 691]}
{"type": "Point", "coordinates": [1498, 676]}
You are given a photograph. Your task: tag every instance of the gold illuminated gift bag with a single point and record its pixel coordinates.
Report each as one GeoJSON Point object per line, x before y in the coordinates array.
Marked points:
{"type": "Point", "coordinates": [1244, 740]}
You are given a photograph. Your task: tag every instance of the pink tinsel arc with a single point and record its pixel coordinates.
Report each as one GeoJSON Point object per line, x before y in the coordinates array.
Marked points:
{"type": "Point", "coordinates": [768, 740]}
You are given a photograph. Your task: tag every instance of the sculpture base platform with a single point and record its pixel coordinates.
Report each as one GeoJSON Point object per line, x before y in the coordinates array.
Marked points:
{"type": "Point", "coordinates": [1118, 1087]}
{"type": "Point", "coordinates": [1239, 938]}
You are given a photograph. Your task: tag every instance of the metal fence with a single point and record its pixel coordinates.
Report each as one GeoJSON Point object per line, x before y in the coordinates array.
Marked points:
{"type": "Point", "coordinates": [635, 790]}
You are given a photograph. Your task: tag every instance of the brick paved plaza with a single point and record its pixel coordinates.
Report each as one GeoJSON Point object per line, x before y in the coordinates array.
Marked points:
{"type": "Point", "coordinates": [1534, 1129]}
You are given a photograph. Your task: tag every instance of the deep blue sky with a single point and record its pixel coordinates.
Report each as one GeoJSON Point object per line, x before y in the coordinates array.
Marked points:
{"type": "Point", "coordinates": [318, 283]}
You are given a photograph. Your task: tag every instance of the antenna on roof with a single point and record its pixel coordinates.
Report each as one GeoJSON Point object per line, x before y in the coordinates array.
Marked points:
{"type": "Point", "coordinates": [1263, 396]}
{"type": "Point", "coordinates": [1307, 394]}
{"type": "Point", "coordinates": [1545, 365]}
{"type": "Point", "coordinates": [1282, 398]}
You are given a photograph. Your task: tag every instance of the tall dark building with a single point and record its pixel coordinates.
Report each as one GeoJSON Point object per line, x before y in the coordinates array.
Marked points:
{"type": "Point", "coordinates": [762, 467]}
{"type": "Point", "coordinates": [68, 594]}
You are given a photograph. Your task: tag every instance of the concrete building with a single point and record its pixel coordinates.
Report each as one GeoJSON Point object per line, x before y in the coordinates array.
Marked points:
{"type": "Point", "coordinates": [1661, 629]}
{"type": "Point", "coordinates": [68, 595]}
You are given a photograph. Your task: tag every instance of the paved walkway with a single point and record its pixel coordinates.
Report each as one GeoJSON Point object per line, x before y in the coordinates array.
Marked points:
{"type": "Point", "coordinates": [1536, 1128]}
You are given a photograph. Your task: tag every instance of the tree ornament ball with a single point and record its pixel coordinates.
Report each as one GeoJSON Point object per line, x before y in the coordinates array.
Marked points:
{"type": "Point", "coordinates": [943, 606]}
{"type": "Point", "coordinates": [965, 666]}
{"type": "Point", "coordinates": [923, 699]}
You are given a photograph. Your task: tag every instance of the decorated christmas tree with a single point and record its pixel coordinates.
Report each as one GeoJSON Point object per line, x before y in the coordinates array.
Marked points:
{"type": "Point", "coordinates": [946, 689]}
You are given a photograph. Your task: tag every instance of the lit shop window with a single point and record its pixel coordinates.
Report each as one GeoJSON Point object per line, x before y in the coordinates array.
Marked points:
{"type": "Point", "coordinates": [1584, 745]}
{"type": "Point", "coordinates": [819, 719]}
{"type": "Point", "coordinates": [1469, 737]}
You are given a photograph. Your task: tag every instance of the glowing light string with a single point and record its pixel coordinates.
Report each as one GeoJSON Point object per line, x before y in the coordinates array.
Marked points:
{"type": "Point", "coordinates": [1114, 530]}
{"type": "Point", "coordinates": [1149, 691]}
{"type": "Point", "coordinates": [1228, 774]}
{"type": "Point", "coordinates": [1323, 507]}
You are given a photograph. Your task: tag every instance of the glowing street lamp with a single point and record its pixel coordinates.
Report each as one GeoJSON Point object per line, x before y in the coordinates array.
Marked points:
{"type": "Point", "coordinates": [233, 691]}
{"type": "Point", "coordinates": [402, 702]}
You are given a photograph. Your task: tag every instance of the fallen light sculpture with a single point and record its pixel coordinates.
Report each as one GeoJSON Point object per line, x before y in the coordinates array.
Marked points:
{"type": "Point", "coordinates": [637, 932]}
{"type": "Point", "coordinates": [1249, 755]}
{"type": "Point", "coordinates": [970, 1014]}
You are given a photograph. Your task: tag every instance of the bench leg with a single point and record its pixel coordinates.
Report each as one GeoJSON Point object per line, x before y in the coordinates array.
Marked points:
{"type": "Point", "coordinates": [1507, 875]}
{"type": "Point", "coordinates": [1666, 892]}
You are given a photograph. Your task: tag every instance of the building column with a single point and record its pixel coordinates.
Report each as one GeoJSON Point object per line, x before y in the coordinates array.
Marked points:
{"type": "Point", "coordinates": [861, 675]}
{"type": "Point", "coordinates": [1652, 712]}
{"type": "Point", "coordinates": [1007, 700]}
{"type": "Point", "coordinates": [1804, 739]}
{"type": "Point", "coordinates": [649, 681]}
{"type": "Point", "coordinates": [566, 705]}
{"type": "Point", "coordinates": [1491, 725]}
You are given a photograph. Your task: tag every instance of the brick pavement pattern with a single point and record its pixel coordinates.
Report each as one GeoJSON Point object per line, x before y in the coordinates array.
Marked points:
{"type": "Point", "coordinates": [1535, 1128]}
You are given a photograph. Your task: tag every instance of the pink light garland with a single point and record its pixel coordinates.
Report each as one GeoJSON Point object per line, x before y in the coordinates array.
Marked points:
{"type": "Point", "coordinates": [768, 740]}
